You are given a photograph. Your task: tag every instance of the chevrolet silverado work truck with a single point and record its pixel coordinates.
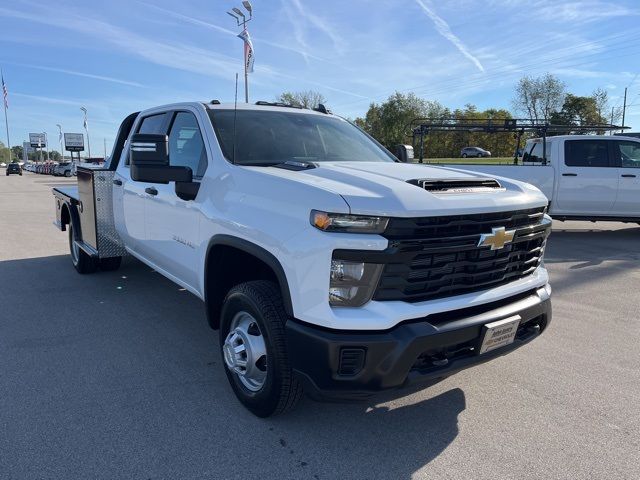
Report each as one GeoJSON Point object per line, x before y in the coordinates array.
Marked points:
{"type": "Point", "coordinates": [327, 266]}
{"type": "Point", "coordinates": [585, 177]}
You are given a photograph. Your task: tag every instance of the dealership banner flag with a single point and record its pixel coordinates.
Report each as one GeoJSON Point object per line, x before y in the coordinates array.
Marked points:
{"type": "Point", "coordinates": [248, 50]}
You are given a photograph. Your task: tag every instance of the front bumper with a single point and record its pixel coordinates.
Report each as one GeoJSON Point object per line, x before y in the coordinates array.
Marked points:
{"type": "Point", "coordinates": [354, 365]}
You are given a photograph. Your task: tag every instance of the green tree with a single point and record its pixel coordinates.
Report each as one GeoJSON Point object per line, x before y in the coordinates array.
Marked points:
{"type": "Point", "coordinates": [578, 111]}
{"type": "Point", "coordinates": [306, 99]}
{"type": "Point", "coordinates": [17, 152]}
{"type": "Point", "coordinates": [389, 121]}
{"type": "Point", "coordinates": [445, 144]}
{"type": "Point", "coordinates": [5, 154]}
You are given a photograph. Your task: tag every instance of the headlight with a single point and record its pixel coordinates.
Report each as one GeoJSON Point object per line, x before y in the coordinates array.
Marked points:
{"type": "Point", "coordinates": [352, 283]}
{"type": "Point", "coordinates": [340, 222]}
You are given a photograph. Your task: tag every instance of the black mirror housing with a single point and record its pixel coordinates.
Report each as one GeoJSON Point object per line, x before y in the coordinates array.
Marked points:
{"type": "Point", "coordinates": [404, 153]}
{"type": "Point", "coordinates": [149, 154]}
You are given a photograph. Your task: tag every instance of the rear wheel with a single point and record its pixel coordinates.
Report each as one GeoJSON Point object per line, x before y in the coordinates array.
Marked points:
{"type": "Point", "coordinates": [67, 173]}
{"type": "Point", "coordinates": [253, 348]}
{"type": "Point", "coordinates": [82, 262]}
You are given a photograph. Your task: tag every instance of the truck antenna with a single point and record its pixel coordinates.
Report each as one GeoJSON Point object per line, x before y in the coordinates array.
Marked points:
{"type": "Point", "coordinates": [235, 114]}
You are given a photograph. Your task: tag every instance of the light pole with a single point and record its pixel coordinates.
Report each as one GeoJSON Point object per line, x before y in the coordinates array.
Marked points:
{"type": "Point", "coordinates": [46, 144]}
{"type": "Point", "coordinates": [86, 129]}
{"type": "Point", "coordinates": [60, 138]}
{"type": "Point", "coordinates": [242, 20]}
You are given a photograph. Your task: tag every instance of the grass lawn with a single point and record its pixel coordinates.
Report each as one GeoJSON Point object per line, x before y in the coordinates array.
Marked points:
{"type": "Point", "coordinates": [471, 161]}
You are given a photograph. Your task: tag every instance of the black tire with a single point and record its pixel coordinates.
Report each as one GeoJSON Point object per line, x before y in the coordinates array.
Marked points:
{"type": "Point", "coordinates": [110, 264]}
{"type": "Point", "coordinates": [479, 155]}
{"type": "Point", "coordinates": [82, 262]}
{"type": "Point", "coordinates": [281, 390]}
{"type": "Point", "coordinates": [464, 155]}
{"type": "Point", "coordinates": [67, 173]}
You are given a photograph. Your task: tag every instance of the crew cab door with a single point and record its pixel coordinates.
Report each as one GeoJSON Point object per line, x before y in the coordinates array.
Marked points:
{"type": "Point", "coordinates": [627, 156]}
{"type": "Point", "coordinates": [172, 222]}
{"type": "Point", "coordinates": [588, 178]}
{"type": "Point", "coordinates": [129, 197]}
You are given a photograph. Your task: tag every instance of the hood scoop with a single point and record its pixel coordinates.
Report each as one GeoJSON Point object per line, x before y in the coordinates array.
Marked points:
{"type": "Point", "coordinates": [457, 185]}
{"type": "Point", "coordinates": [296, 166]}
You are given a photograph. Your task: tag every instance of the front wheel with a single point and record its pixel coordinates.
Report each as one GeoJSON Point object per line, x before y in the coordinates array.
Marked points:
{"type": "Point", "coordinates": [479, 155]}
{"type": "Point", "coordinates": [254, 351]}
{"type": "Point", "coordinates": [464, 155]}
{"type": "Point", "coordinates": [67, 173]}
{"type": "Point", "coordinates": [82, 262]}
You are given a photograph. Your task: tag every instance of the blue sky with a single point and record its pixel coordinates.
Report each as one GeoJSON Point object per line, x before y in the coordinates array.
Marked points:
{"type": "Point", "coordinates": [116, 57]}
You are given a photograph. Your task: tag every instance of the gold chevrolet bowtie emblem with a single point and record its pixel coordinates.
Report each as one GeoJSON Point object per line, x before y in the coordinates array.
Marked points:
{"type": "Point", "coordinates": [497, 239]}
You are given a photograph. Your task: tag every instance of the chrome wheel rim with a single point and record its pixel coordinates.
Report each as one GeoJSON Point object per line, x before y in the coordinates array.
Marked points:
{"type": "Point", "coordinates": [245, 351]}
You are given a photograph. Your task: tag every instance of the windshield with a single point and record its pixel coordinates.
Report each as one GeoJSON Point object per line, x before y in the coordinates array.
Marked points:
{"type": "Point", "coordinates": [269, 138]}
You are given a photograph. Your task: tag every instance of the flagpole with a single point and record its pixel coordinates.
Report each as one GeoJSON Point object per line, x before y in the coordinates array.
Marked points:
{"type": "Point", "coordinates": [6, 117]}
{"type": "Point", "coordinates": [242, 20]}
{"type": "Point", "coordinates": [246, 82]}
{"type": "Point", "coordinates": [6, 121]}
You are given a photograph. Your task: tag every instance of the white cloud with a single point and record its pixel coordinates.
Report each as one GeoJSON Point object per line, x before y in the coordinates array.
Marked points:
{"type": "Point", "coordinates": [443, 29]}
{"type": "Point", "coordinates": [299, 15]}
{"type": "Point", "coordinates": [81, 74]}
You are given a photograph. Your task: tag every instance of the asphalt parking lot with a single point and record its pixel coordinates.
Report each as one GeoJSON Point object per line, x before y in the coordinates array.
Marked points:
{"type": "Point", "coordinates": [117, 375]}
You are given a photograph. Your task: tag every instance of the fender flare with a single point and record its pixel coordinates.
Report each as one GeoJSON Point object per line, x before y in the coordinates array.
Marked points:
{"type": "Point", "coordinates": [257, 251]}
{"type": "Point", "coordinates": [74, 220]}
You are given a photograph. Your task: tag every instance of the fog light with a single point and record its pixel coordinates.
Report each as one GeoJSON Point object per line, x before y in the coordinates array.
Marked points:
{"type": "Point", "coordinates": [352, 283]}
{"type": "Point", "coordinates": [342, 270]}
{"type": "Point", "coordinates": [342, 294]}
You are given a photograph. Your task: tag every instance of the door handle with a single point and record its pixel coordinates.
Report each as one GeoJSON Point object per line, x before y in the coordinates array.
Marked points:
{"type": "Point", "coordinates": [151, 191]}
{"type": "Point", "coordinates": [628, 175]}
{"type": "Point", "coordinates": [117, 182]}
{"type": "Point", "coordinates": [569, 174]}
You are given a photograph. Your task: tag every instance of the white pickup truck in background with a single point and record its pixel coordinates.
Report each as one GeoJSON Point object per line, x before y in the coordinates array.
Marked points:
{"type": "Point", "coordinates": [585, 177]}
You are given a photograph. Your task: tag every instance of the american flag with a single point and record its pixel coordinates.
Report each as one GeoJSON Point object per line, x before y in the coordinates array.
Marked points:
{"type": "Point", "coordinates": [5, 93]}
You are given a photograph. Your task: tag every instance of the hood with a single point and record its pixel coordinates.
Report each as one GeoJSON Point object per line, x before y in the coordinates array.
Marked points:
{"type": "Point", "coordinates": [376, 188]}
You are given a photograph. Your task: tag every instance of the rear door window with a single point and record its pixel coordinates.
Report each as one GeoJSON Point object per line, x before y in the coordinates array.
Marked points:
{"type": "Point", "coordinates": [586, 153]}
{"type": "Point", "coordinates": [628, 154]}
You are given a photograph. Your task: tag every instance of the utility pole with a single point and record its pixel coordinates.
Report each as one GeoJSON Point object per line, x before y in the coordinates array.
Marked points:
{"type": "Point", "coordinates": [46, 144]}
{"type": "Point", "coordinates": [105, 148]}
{"type": "Point", "coordinates": [242, 20]}
{"type": "Point", "coordinates": [624, 108]}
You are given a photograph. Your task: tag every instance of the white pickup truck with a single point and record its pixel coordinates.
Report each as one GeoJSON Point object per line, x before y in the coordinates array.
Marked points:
{"type": "Point", "coordinates": [326, 264]}
{"type": "Point", "coordinates": [585, 177]}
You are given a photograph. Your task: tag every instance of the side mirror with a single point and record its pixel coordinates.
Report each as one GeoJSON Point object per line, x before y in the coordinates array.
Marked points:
{"type": "Point", "coordinates": [149, 154]}
{"type": "Point", "coordinates": [404, 153]}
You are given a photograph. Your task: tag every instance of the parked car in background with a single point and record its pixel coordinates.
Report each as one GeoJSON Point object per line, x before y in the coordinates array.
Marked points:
{"type": "Point", "coordinates": [474, 152]}
{"type": "Point", "coordinates": [64, 169]}
{"type": "Point", "coordinates": [3, 165]}
{"type": "Point", "coordinates": [14, 169]}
